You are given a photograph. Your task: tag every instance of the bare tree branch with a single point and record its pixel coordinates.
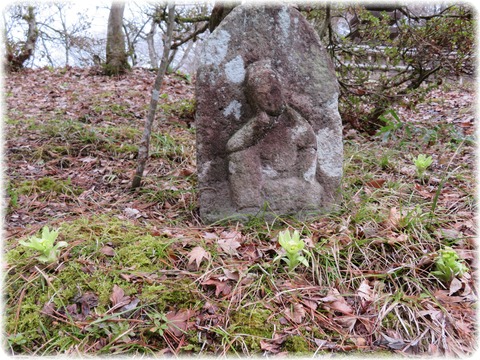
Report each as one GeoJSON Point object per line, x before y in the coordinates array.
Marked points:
{"type": "Point", "coordinates": [193, 35]}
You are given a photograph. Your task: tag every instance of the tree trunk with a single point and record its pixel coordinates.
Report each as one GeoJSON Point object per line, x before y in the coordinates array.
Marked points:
{"type": "Point", "coordinates": [219, 12]}
{"type": "Point", "coordinates": [152, 53]}
{"type": "Point", "coordinates": [130, 46]}
{"type": "Point", "coordinates": [16, 60]}
{"type": "Point", "coordinates": [184, 56]}
{"type": "Point", "coordinates": [116, 55]}
{"type": "Point", "coordinates": [327, 24]}
{"type": "Point", "coordinates": [145, 142]}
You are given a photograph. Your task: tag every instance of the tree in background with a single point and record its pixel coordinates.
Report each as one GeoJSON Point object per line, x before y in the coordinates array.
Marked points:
{"type": "Point", "coordinates": [63, 39]}
{"type": "Point", "coordinates": [50, 35]}
{"type": "Point", "coordinates": [69, 34]}
{"type": "Point", "coordinates": [147, 23]}
{"type": "Point", "coordinates": [136, 18]}
{"type": "Point", "coordinates": [116, 55]}
{"type": "Point", "coordinates": [190, 22]}
{"type": "Point", "coordinates": [19, 52]}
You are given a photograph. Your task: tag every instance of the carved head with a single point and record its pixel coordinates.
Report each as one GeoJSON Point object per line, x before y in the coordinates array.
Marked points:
{"type": "Point", "coordinates": [264, 88]}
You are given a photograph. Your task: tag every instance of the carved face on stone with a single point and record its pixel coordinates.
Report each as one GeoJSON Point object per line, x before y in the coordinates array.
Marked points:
{"type": "Point", "coordinates": [264, 89]}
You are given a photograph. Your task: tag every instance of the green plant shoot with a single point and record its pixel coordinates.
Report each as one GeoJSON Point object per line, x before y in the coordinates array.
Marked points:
{"type": "Point", "coordinates": [161, 323]}
{"type": "Point", "coordinates": [448, 265]}
{"type": "Point", "coordinates": [294, 246]}
{"type": "Point", "coordinates": [45, 245]}
{"type": "Point", "coordinates": [422, 162]}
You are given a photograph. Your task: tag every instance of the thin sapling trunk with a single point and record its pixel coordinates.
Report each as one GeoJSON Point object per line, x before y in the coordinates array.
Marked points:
{"type": "Point", "coordinates": [145, 142]}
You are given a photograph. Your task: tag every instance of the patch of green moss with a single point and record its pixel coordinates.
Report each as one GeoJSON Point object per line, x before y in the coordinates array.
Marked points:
{"type": "Point", "coordinates": [162, 196]}
{"type": "Point", "coordinates": [134, 267]}
{"type": "Point", "coordinates": [48, 151]}
{"type": "Point", "coordinates": [146, 253]}
{"type": "Point", "coordinates": [193, 345]}
{"type": "Point", "coordinates": [12, 196]}
{"type": "Point", "coordinates": [166, 146]}
{"type": "Point", "coordinates": [48, 185]}
{"type": "Point", "coordinates": [59, 149]}
{"type": "Point", "coordinates": [183, 109]}
{"type": "Point", "coordinates": [122, 148]}
{"type": "Point", "coordinates": [28, 324]}
{"type": "Point", "coordinates": [74, 280]}
{"type": "Point", "coordinates": [10, 121]}
{"type": "Point", "coordinates": [110, 107]}
{"type": "Point", "coordinates": [255, 322]}
{"type": "Point", "coordinates": [98, 230]}
{"type": "Point", "coordinates": [69, 130]}
{"type": "Point", "coordinates": [297, 344]}
{"type": "Point", "coordinates": [171, 294]}
{"type": "Point", "coordinates": [121, 139]}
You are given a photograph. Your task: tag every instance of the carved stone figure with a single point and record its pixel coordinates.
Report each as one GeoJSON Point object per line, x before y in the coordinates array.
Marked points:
{"type": "Point", "coordinates": [273, 157]}
{"type": "Point", "coordinates": [268, 128]}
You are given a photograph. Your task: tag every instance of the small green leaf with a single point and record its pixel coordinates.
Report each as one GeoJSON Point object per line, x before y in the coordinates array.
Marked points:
{"type": "Point", "coordinates": [448, 265]}
{"type": "Point", "coordinates": [422, 162]}
{"type": "Point", "coordinates": [303, 261]}
{"type": "Point", "coordinates": [293, 246]}
{"type": "Point", "coordinates": [45, 245]}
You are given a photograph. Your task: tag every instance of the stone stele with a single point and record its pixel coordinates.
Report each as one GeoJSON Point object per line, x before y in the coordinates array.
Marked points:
{"type": "Point", "coordinates": [269, 135]}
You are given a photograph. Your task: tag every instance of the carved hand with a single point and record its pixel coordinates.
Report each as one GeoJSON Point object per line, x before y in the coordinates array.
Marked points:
{"type": "Point", "coordinates": [248, 135]}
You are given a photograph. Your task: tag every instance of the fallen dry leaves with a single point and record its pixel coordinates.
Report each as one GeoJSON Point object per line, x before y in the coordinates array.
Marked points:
{"type": "Point", "coordinates": [232, 268]}
{"type": "Point", "coordinates": [101, 113]}
{"type": "Point", "coordinates": [229, 242]}
{"type": "Point", "coordinates": [118, 298]}
{"type": "Point", "coordinates": [336, 302]}
{"type": "Point", "coordinates": [178, 321]}
{"type": "Point", "coordinates": [222, 287]}
{"type": "Point", "coordinates": [295, 312]}
{"type": "Point", "coordinates": [197, 255]}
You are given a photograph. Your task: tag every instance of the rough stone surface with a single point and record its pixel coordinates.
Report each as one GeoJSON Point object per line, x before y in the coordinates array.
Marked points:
{"type": "Point", "coordinates": [269, 134]}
